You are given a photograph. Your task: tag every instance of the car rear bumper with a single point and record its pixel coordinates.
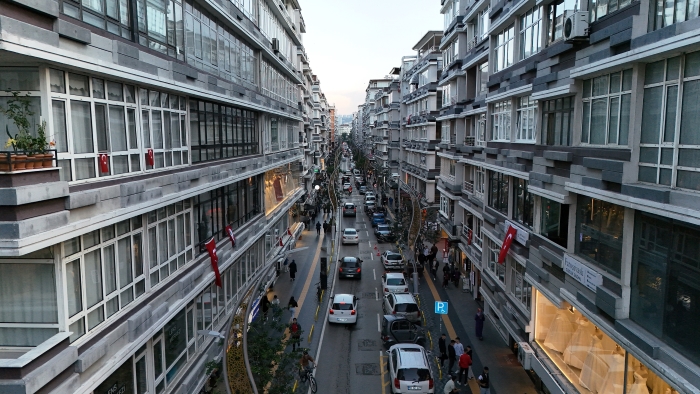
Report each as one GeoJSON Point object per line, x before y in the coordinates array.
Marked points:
{"type": "Point", "coordinates": [346, 319]}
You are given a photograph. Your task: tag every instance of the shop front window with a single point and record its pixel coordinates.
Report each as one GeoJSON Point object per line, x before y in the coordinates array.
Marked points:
{"type": "Point", "coordinates": [599, 233]}
{"type": "Point", "coordinates": [665, 274]}
{"type": "Point", "coordinates": [587, 357]}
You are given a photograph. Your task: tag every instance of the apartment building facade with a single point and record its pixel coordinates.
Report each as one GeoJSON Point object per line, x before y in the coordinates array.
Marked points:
{"type": "Point", "coordinates": [175, 125]}
{"type": "Point", "coordinates": [568, 126]}
{"type": "Point", "coordinates": [385, 128]}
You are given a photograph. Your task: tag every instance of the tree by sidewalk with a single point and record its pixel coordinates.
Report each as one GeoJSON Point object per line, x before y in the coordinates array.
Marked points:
{"type": "Point", "coordinates": [269, 362]}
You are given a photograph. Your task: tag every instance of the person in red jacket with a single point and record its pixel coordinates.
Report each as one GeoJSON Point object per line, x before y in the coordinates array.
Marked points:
{"type": "Point", "coordinates": [465, 361]}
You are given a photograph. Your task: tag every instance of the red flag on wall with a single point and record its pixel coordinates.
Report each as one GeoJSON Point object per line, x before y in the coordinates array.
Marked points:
{"type": "Point", "coordinates": [211, 248]}
{"type": "Point", "coordinates": [150, 161]}
{"type": "Point", "coordinates": [232, 237]}
{"type": "Point", "coordinates": [281, 244]}
{"type": "Point", "coordinates": [470, 233]}
{"type": "Point", "coordinates": [510, 234]}
{"type": "Point", "coordinates": [289, 232]}
{"type": "Point", "coordinates": [104, 163]}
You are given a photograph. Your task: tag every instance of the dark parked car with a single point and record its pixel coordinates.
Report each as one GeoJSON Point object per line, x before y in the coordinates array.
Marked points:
{"type": "Point", "coordinates": [384, 234]}
{"type": "Point", "coordinates": [350, 267]}
{"type": "Point", "coordinates": [378, 218]}
{"type": "Point", "coordinates": [397, 329]}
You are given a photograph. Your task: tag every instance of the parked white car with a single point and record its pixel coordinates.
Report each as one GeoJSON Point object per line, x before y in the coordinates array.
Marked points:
{"type": "Point", "coordinates": [350, 236]}
{"type": "Point", "coordinates": [394, 282]}
{"type": "Point", "coordinates": [343, 309]}
{"type": "Point", "coordinates": [409, 369]}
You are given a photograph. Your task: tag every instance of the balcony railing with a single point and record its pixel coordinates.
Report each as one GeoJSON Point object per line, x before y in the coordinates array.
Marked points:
{"type": "Point", "coordinates": [476, 241]}
{"type": "Point", "coordinates": [468, 187]}
{"type": "Point", "coordinates": [469, 141]}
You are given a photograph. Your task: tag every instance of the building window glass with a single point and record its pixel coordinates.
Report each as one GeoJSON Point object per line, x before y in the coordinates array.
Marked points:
{"type": "Point", "coordinates": [277, 86]}
{"type": "Point", "coordinates": [665, 272]}
{"type": "Point", "coordinates": [498, 191]}
{"type": "Point", "coordinates": [557, 116]}
{"type": "Point", "coordinates": [232, 205]}
{"type": "Point", "coordinates": [523, 203]}
{"type": "Point", "coordinates": [110, 270]}
{"type": "Point", "coordinates": [503, 52]}
{"type": "Point", "coordinates": [169, 240]}
{"type": "Point", "coordinates": [666, 13]}
{"type": "Point", "coordinates": [600, 8]}
{"type": "Point", "coordinates": [556, 12]}
{"type": "Point", "coordinates": [599, 233]}
{"type": "Point", "coordinates": [248, 7]}
{"type": "Point", "coordinates": [500, 121]}
{"type": "Point", "coordinates": [220, 131]}
{"type": "Point", "coordinates": [163, 128]}
{"type": "Point", "coordinates": [527, 113]}
{"type": "Point", "coordinates": [272, 28]}
{"type": "Point", "coordinates": [476, 235]}
{"type": "Point", "coordinates": [481, 27]}
{"type": "Point", "coordinates": [498, 270]}
{"type": "Point", "coordinates": [520, 289]}
{"type": "Point", "coordinates": [110, 15]}
{"type": "Point", "coordinates": [530, 29]}
{"type": "Point", "coordinates": [445, 206]}
{"type": "Point", "coordinates": [480, 126]}
{"type": "Point", "coordinates": [606, 109]}
{"type": "Point", "coordinates": [482, 78]}
{"type": "Point", "coordinates": [479, 178]}
{"type": "Point", "coordinates": [669, 151]}
{"type": "Point", "coordinates": [555, 222]}
{"type": "Point", "coordinates": [160, 26]}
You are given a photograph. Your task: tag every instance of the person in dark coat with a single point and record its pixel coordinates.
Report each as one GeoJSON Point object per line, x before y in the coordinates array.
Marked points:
{"type": "Point", "coordinates": [293, 270]}
{"type": "Point", "coordinates": [451, 355]}
{"type": "Point", "coordinates": [479, 326]}
{"type": "Point", "coordinates": [442, 345]}
{"type": "Point", "coordinates": [265, 304]}
{"type": "Point", "coordinates": [434, 250]}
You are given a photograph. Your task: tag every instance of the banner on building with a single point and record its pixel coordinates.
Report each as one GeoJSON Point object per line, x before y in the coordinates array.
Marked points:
{"type": "Point", "coordinates": [104, 164]}
{"type": "Point", "coordinates": [150, 159]}
{"type": "Point", "coordinates": [470, 233]}
{"type": "Point", "coordinates": [211, 248]}
{"type": "Point", "coordinates": [277, 185]}
{"type": "Point", "coordinates": [510, 234]}
{"type": "Point", "coordinates": [232, 237]}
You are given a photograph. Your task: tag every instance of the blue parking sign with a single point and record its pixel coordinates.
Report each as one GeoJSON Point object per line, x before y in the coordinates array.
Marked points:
{"type": "Point", "coordinates": [441, 307]}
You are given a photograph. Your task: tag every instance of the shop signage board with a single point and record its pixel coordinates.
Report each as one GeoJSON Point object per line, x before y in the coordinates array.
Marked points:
{"type": "Point", "coordinates": [522, 236]}
{"type": "Point", "coordinates": [582, 273]}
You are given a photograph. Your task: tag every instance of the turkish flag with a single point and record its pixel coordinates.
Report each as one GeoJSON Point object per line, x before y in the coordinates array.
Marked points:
{"type": "Point", "coordinates": [211, 248]}
{"type": "Point", "coordinates": [232, 237]}
{"type": "Point", "coordinates": [150, 161]}
{"type": "Point", "coordinates": [281, 244]}
{"type": "Point", "coordinates": [510, 234]}
{"type": "Point", "coordinates": [470, 233]}
{"type": "Point", "coordinates": [289, 232]}
{"type": "Point", "coordinates": [104, 163]}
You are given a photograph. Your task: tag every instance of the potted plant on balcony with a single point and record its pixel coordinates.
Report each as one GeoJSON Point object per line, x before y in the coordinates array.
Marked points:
{"type": "Point", "coordinates": [18, 111]}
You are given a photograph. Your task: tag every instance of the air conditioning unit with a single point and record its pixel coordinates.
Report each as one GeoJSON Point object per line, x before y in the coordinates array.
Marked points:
{"type": "Point", "coordinates": [525, 355]}
{"type": "Point", "coordinates": [275, 45]}
{"type": "Point", "coordinates": [575, 25]}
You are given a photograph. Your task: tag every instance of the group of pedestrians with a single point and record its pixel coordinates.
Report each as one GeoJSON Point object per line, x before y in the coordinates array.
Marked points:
{"type": "Point", "coordinates": [455, 353]}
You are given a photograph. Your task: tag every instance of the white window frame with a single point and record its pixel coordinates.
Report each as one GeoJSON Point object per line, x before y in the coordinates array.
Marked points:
{"type": "Point", "coordinates": [504, 51]}
{"type": "Point", "coordinates": [482, 78]}
{"type": "Point", "coordinates": [526, 126]}
{"type": "Point", "coordinates": [161, 220]}
{"type": "Point", "coordinates": [479, 177]}
{"type": "Point", "coordinates": [480, 130]}
{"type": "Point", "coordinates": [608, 98]}
{"type": "Point", "coordinates": [531, 32]}
{"type": "Point", "coordinates": [501, 120]}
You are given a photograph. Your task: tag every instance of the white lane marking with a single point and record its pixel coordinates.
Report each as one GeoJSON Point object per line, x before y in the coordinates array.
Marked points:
{"type": "Point", "coordinates": [367, 233]}
{"type": "Point", "coordinates": [372, 256]}
{"type": "Point", "coordinates": [374, 272]}
{"type": "Point", "coordinates": [376, 294]}
{"type": "Point", "coordinates": [379, 328]}
{"type": "Point", "coordinates": [369, 243]}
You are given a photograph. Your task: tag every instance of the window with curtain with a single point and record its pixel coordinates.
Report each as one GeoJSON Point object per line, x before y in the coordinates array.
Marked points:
{"type": "Point", "coordinates": [110, 15]}
{"type": "Point", "coordinates": [669, 152]}
{"type": "Point", "coordinates": [667, 13]}
{"type": "Point", "coordinates": [606, 109]}
{"type": "Point", "coordinates": [29, 312]}
{"type": "Point", "coordinates": [557, 116]}
{"type": "Point", "coordinates": [104, 273]}
{"type": "Point", "coordinates": [599, 226]}
{"type": "Point", "coordinates": [500, 121]}
{"type": "Point", "coordinates": [530, 29]}
{"type": "Point", "coordinates": [527, 115]}
{"type": "Point", "coordinates": [498, 191]}
{"type": "Point", "coordinates": [503, 53]}
{"type": "Point", "coordinates": [169, 239]}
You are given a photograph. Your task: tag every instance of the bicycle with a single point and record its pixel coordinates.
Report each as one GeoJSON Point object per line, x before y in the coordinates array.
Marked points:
{"type": "Point", "coordinates": [307, 374]}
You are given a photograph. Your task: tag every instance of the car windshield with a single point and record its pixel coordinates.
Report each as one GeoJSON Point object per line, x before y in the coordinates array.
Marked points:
{"type": "Point", "coordinates": [393, 257]}
{"type": "Point", "coordinates": [407, 308]}
{"type": "Point", "coordinates": [383, 227]}
{"type": "Point", "coordinates": [413, 374]}
{"type": "Point", "coordinates": [350, 264]}
{"type": "Point", "coordinates": [378, 216]}
{"type": "Point", "coordinates": [395, 282]}
{"type": "Point", "coordinates": [342, 306]}
{"type": "Point", "coordinates": [350, 232]}
{"type": "Point", "coordinates": [349, 206]}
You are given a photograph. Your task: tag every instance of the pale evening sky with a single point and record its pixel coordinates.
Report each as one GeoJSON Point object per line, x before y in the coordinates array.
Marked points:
{"type": "Point", "coordinates": [351, 42]}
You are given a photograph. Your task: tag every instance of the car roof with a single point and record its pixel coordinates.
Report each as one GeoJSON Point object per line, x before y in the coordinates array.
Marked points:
{"type": "Point", "coordinates": [411, 356]}
{"type": "Point", "coordinates": [377, 214]}
{"type": "Point", "coordinates": [347, 298]}
{"type": "Point", "coordinates": [350, 258]}
{"type": "Point", "coordinates": [394, 275]}
{"type": "Point", "coordinates": [349, 203]}
{"type": "Point", "coordinates": [404, 298]}
{"type": "Point", "coordinates": [349, 229]}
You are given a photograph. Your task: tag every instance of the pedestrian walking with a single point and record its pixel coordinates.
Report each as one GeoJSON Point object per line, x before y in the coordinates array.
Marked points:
{"type": "Point", "coordinates": [434, 250]}
{"type": "Point", "coordinates": [445, 279]}
{"type": "Point", "coordinates": [275, 304]}
{"type": "Point", "coordinates": [265, 305]}
{"type": "Point", "coordinates": [450, 386]}
{"type": "Point", "coordinates": [479, 326]}
{"type": "Point", "coordinates": [434, 268]}
{"type": "Point", "coordinates": [318, 228]}
{"type": "Point", "coordinates": [459, 348]}
{"type": "Point", "coordinates": [442, 345]}
{"type": "Point", "coordinates": [451, 355]}
{"type": "Point", "coordinates": [286, 264]}
{"type": "Point", "coordinates": [292, 305]}
{"type": "Point", "coordinates": [464, 363]}
{"type": "Point", "coordinates": [295, 332]}
{"type": "Point", "coordinates": [293, 270]}
{"type": "Point", "coordinates": [484, 382]}
{"type": "Point", "coordinates": [470, 372]}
